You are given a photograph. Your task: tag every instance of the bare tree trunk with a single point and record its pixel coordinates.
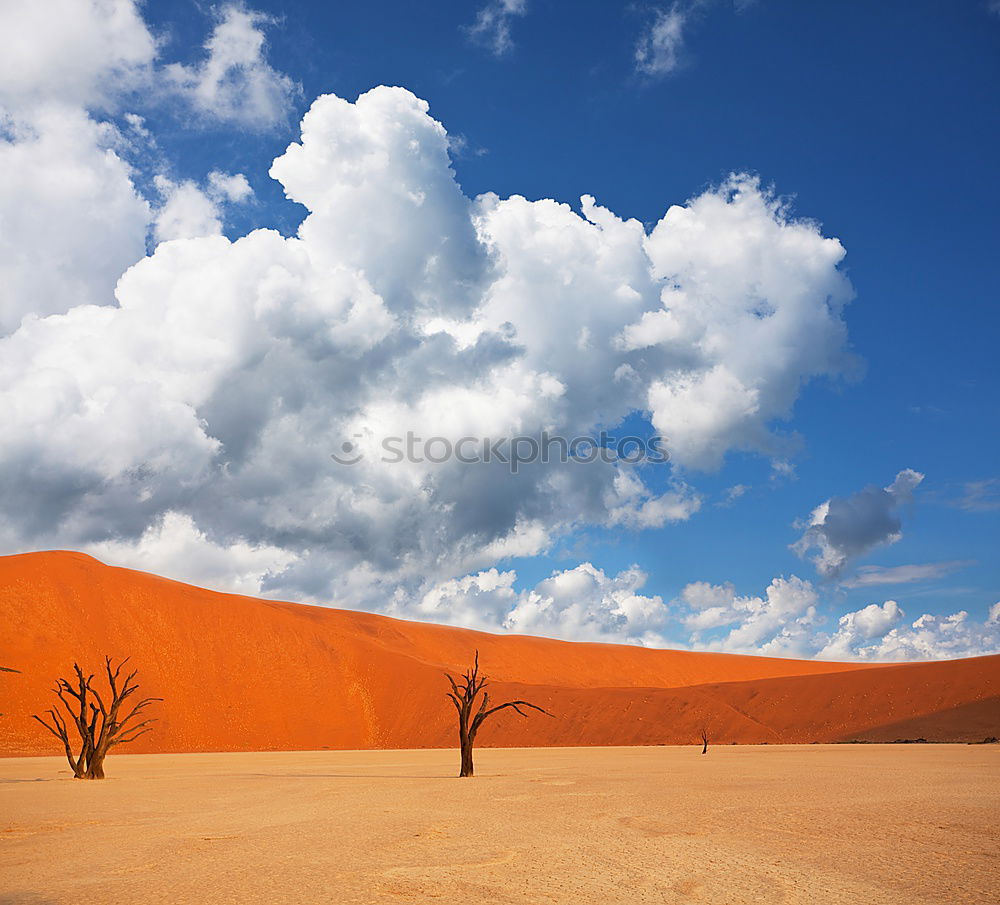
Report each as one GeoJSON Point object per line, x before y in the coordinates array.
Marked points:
{"type": "Point", "coordinates": [467, 766]}
{"type": "Point", "coordinates": [463, 695]}
{"type": "Point", "coordinates": [100, 727]}
{"type": "Point", "coordinates": [704, 739]}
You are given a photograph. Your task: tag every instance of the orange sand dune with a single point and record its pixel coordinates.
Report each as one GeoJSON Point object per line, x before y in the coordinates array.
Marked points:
{"type": "Point", "coordinates": [238, 673]}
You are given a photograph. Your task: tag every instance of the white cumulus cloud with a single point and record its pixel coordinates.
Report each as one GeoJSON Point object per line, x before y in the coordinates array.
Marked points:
{"type": "Point", "coordinates": [871, 622]}
{"type": "Point", "coordinates": [174, 545]}
{"type": "Point", "coordinates": [580, 603]}
{"type": "Point", "coordinates": [71, 219]}
{"type": "Point", "coordinates": [787, 621]}
{"type": "Point", "coordinates": [189, 211]}
{"type": "Point", "coordinates": [234, 83]}
{"type": "Point", "coordinates": [739, 275]}
{"type": "Point", "coordinates": [220, 376]}
{"type": "Point", "coordinates": [879, 633]}
{"type": "Point", "coordinates": [844, 528]}
{"type": "Point", "coordinates": [82, 53]}
{"type": "Point", "coordinates": [781, 622]}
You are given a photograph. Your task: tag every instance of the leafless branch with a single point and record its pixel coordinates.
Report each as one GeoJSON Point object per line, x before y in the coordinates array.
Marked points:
{"type": "Point", "coordinates": [472, 713]}
{"type": "Point", "coordinates": [98, 724]}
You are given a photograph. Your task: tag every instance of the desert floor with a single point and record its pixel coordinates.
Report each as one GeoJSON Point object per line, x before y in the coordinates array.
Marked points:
{"type": "Point", "coordinates": [811, 824]}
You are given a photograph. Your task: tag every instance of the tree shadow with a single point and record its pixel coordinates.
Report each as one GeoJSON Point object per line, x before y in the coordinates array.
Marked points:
{"type": "Point", "coordinates": [24, 897]}
{"type": "Point", "coordinates": [343, 776]}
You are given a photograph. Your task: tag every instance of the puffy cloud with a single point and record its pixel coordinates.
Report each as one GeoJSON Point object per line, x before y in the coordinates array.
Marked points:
{"type": "Point", "coordinates": [481, 601]}
{"type": "Point", "coordinates": [739, 275]}
{"type": "Point", "coordinates": [781, 623]}
{"type": "Point", "coordinates": [844, 528]}
{"type": "Point", "coordinates": [81, 53]}
{"type": "Point", "coordinates": [174, 545]}
{"type": "Point", "coordinates": [929, 637]}
{"type": "Point", "coordinates": [189, 212]}
{"type": "Point", "coordinates": [585, 603]}
{"type": "Point", "coordinates": [93, 54]}
{"type": "Point", "coordinates": [73, 220]}
{"type": "Point", "coordinates": [902, 487]}
{"type": "Point", "coordinates": [228, 372]}
{"type": "Point", "coordinates": [235, 83]}
{"type": "Point", "coordinates": [582, 603]}
{"type": "Point", "coordinates": [72, 215]}
{"type": "Point", "coordinates": [873, 621]}
{"type": "Point", "coordinates": [658, 51]}
{"type": "Point", "coordinates": [492, 24]}
{"type": "Point", "coordinates": [785, 621]}
{"type": "Point", "coordinates": [229, 186]}
{"type": "Point", "coordinates": [713, 599]}
{"type": "Point", "coordinates": [632, 505]}
{"type": "Point", "coordinates": [368, 172]}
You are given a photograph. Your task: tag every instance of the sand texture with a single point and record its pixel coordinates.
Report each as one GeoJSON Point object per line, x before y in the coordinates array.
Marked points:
{"type": "Point", "coordinates": [813, 824]}
{"type": "Point", "coordinates": [238, 673]}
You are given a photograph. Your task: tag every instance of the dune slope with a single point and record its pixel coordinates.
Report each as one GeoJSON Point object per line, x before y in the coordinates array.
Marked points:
{"type": "Point", "coordinates": [238, 673]}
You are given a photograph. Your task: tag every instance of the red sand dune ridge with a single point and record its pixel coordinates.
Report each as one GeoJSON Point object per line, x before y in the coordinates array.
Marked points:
{"type": "Point", "coordinates": [241, 674]}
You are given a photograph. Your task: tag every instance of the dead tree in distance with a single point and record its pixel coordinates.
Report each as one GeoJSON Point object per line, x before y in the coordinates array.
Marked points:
{"type": "Point", "coordinates": [100, 726]}
{"type": "Point", "coordinates": [470, 717]}
{"type": "Point", "coordinates": [704, 740]}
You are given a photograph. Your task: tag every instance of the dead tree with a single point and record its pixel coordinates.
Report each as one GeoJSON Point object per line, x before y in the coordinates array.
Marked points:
{"type": "Point", "coordinates": [100, 726]}
{"type": "Point", "coordinates": [80, 714]}
{"type": "Point", "coordinates": [470, 717]}
{"type": "Point", "coordinates": [704, 740]}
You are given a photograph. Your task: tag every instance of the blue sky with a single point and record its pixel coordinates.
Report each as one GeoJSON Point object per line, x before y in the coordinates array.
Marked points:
{"type": "Point", "coordinates": [877, 122]}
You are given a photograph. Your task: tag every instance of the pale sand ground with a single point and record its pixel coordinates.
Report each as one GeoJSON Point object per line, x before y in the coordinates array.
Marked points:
{"type": "Point", "coordinates": [813, 824]}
